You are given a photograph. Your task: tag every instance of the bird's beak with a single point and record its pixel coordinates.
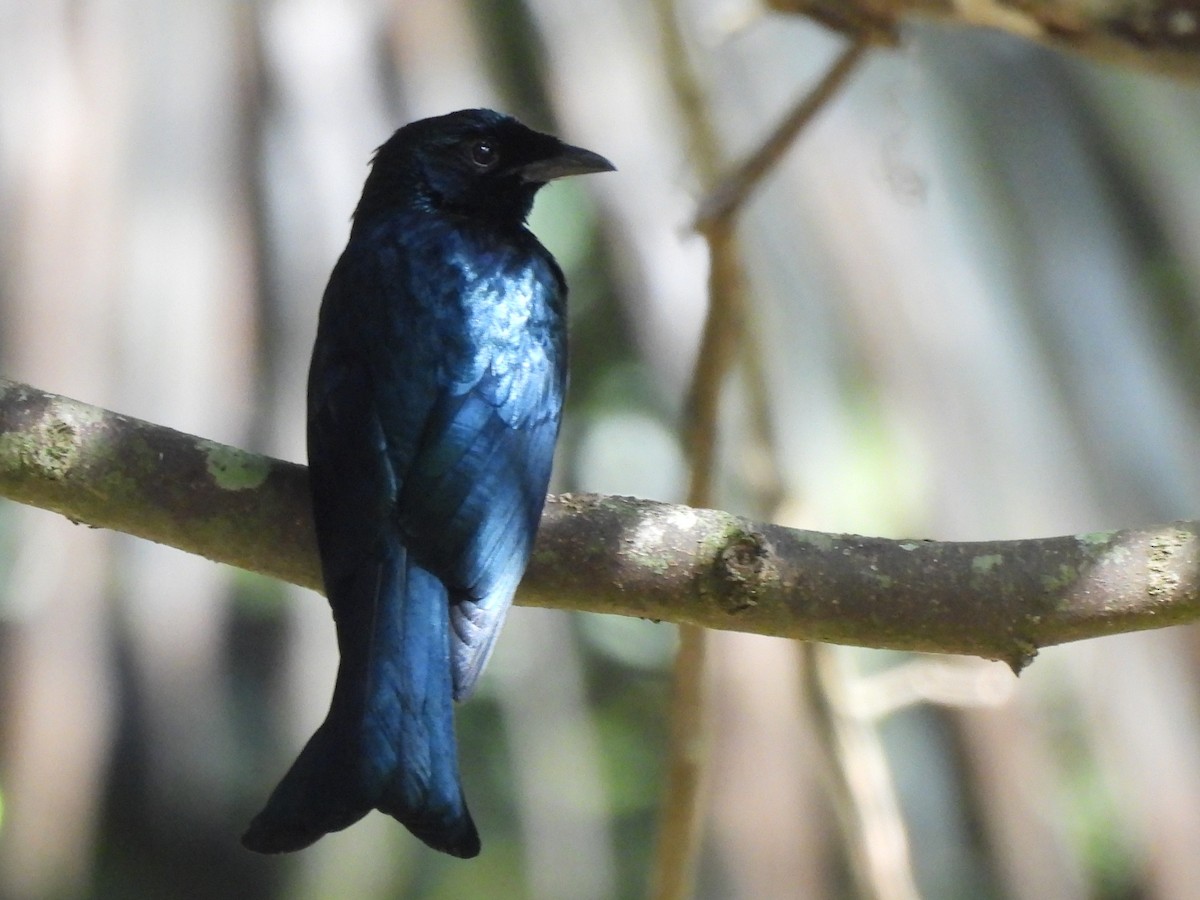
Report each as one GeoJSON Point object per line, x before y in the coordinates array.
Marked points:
{"type": "Point", "coordinates": [566, 161]}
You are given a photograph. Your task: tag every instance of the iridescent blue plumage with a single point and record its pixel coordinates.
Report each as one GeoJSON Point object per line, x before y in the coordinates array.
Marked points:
{"type": "Point", "coordinates": [435, 394]}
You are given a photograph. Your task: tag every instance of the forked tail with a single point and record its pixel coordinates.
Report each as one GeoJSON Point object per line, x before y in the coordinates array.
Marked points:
{"type": "Point", "coordinates": [388, 740]}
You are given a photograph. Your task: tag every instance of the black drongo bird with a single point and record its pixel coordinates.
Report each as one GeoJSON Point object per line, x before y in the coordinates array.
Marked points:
{"type": "Point", "coordinates": [434, 399]}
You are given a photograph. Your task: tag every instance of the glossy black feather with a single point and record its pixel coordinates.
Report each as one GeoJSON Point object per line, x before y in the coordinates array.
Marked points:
{"type": "Point", "coordinates": [435, 394]}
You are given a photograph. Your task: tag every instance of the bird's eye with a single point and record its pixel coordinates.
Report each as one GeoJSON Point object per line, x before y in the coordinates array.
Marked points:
{"type": "Point", "coordinates": [484, 154]}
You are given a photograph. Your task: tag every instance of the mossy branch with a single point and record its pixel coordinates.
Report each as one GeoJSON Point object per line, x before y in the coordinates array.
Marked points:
{"type": "Point", "coordinates": [995, 599]}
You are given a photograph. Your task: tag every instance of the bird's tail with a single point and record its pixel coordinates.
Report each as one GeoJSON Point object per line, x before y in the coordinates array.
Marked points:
{"type": "Point", "coordinates": [388, 740]}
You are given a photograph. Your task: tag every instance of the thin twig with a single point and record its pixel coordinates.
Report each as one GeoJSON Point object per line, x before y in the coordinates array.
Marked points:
{"type": "Point", "coordinates": [871, 821]}
{"type": "Point", "coordinates": [730, 193]}
{"type": "Point", "coordinates": [688, 748]}
{"type": "Point", "coordinates": [688, 743]}
{"type": "Point", "coordinates": [862, 789]}
{"type": "Point", "coordinates": [719, 342]}
{"type": "Point", "coordinates": [690, 708]}
{"type": "Point", "coordinates": [861, 782]}
{"type": "Point", "coordinates": [723, 334]}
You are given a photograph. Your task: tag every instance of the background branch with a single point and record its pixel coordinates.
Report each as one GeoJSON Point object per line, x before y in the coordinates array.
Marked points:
{"type": "Point", "coordinates": [689, 746]}
{"type": "Point", "coordinates": [995, 599]}
{"type": "Point", "coordinates": [1160, 36]}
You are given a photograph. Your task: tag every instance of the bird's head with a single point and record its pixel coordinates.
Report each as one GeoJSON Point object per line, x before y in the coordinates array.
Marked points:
{"type": "Point", "coordinates": [473, 162]}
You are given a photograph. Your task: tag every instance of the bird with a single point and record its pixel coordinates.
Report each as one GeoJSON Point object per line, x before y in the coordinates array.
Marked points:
{"type": "Point", "coordinates": [435, 394]}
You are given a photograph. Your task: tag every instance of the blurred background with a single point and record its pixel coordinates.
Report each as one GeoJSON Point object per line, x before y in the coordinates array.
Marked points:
{"type": "Point", "coordinates": [974, 313]}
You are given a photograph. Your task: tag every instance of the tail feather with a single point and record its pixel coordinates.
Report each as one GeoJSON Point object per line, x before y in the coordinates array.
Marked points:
{"type": "Point", "coordinates": [318, 795]}
{"type": "Point", "coordinates": [388, 741]}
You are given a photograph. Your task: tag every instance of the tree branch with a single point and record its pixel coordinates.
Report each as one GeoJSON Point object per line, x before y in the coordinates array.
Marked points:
{"type": "Point", "coordinates": [1161, 36]}
{"type": "Point", "coordinates": [995, 599]}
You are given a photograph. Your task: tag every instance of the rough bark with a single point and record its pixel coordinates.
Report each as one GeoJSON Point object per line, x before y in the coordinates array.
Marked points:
{"type": "Point", "coordinates": [995, 599]}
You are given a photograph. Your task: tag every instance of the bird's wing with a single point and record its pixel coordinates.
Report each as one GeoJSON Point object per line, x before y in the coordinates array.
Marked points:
{"type": "Point", "coordinates": [363, 420]}
{"type": "Point", "coordinates": [481, 475]}
{"type": "Point", "coordinates": [466, 423]}
{"type": "Point", "coordinates": [354, 485]}
{"type": "Point", "coordinates": [473, 495]}
{"type": "Point", "coordinates": [388, 740]}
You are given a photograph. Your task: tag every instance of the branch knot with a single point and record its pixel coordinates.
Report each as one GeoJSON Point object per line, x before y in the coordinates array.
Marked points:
{"type": "Point", "coordinates": [742, 569]}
